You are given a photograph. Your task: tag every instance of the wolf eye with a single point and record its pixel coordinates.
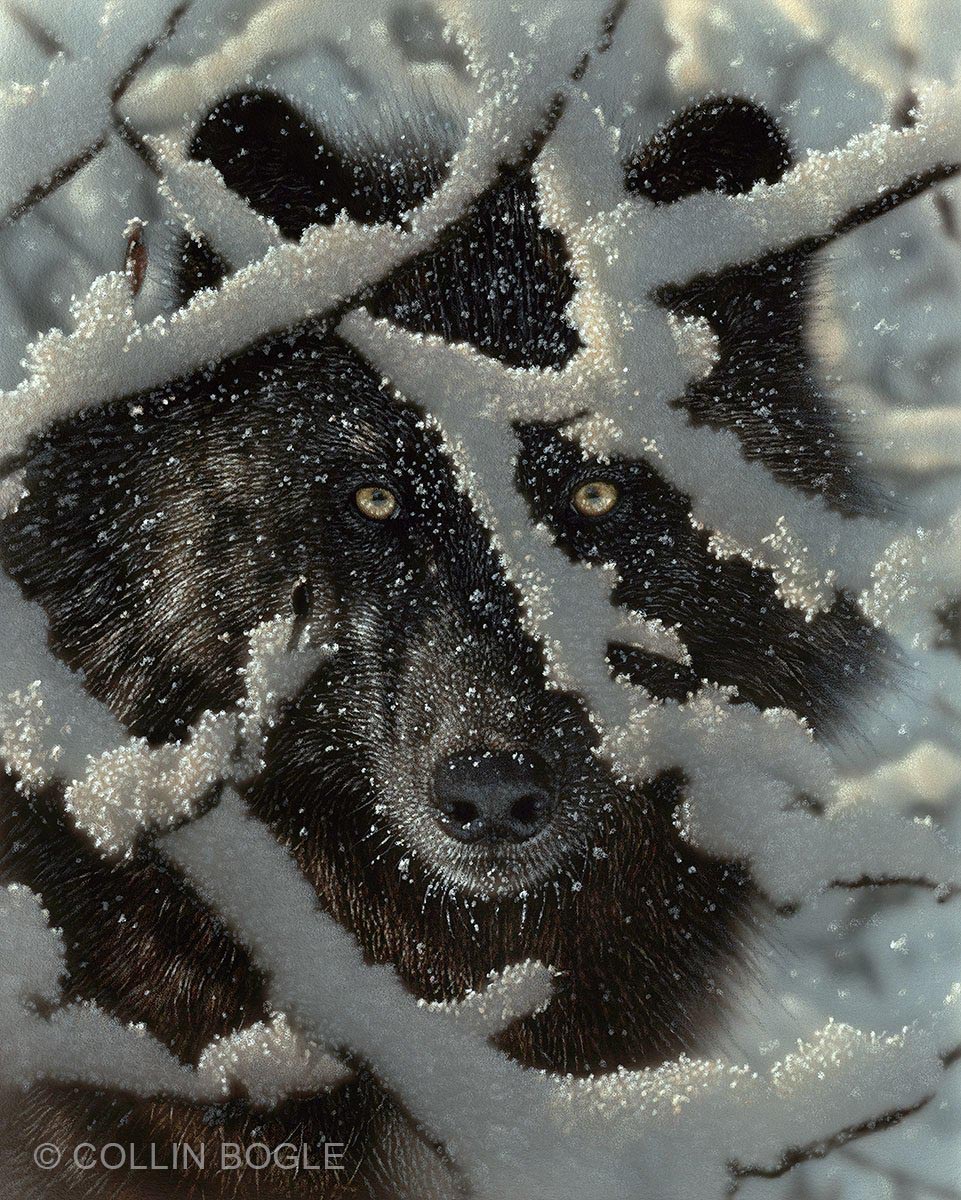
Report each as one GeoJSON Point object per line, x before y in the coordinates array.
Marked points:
{"type": "Point", "coordinates": [376, 503]}
{"type": "Point", "coordinates": [596, 498]}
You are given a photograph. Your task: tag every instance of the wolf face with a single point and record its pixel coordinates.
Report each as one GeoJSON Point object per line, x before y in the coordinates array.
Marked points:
{"type": "Point", "coordinates": [446, 801]}
{"type": "Point", "coordinates": [428, 774]}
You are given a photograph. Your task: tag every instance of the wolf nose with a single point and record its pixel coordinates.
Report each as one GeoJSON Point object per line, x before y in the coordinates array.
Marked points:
{"type": "Point", "coordinates": [493, 796]}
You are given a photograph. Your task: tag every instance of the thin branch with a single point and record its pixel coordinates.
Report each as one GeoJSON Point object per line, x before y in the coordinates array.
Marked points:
{"type": "Point", "coordinates": [145, 53]}
{"type": "Point", "coordinates": [42, 36]}
{"type": "Point", "coordinates": [823, 1146]}
{"type": "Point", "coordinates": [945, 892]}
{"type": "Point", "coordinates": [40, 191]}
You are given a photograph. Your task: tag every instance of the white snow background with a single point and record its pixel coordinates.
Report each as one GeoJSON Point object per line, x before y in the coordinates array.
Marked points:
{"type": "Point", "coordinates": [889, 338]}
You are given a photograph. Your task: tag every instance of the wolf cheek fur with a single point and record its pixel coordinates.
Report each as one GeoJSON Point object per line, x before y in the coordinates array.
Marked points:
{"type": "Point", "coordinates": [157, 534]}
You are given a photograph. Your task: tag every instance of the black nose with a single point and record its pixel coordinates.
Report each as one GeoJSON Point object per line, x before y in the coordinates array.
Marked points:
{"type": "Point", "coordinates": [486, 795]}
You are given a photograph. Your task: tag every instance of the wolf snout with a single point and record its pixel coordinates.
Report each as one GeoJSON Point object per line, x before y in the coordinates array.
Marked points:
{"type": "Point", "coordinates": [493, 795]}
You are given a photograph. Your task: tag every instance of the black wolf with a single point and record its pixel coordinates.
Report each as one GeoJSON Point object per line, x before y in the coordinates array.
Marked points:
{"type": "Point", "coordinates": [446, 803]}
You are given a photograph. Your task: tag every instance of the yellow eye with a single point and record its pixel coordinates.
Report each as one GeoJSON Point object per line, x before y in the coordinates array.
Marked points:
{"type": "Point", "coordinates": [596, 498]}
{"type": "Point", "coordinates": [376, 503]}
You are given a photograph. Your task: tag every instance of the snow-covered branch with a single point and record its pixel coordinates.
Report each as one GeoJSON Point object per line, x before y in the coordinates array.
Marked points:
{"type": "Point", "coordinates": [759, 788]}
{"type": "Point", "coordinates": [240, 235]}
{"type": "Point", "coordinates": [125, 786]}
{"type": "Point", "coordinates": [605, 1136]}
{"type": "Point", "coordinates": [48, 132]}
{"type": "Point", "coordinates": [269, 1060]}
{"type": "Point", "coordinates": [706, 233]}
{"type": "Point", "coordinates": [276, 31]}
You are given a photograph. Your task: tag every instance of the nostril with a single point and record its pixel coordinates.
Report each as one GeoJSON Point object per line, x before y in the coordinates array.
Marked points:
{"type": "Point", "coordinates": [462, 812]}
{"type": "Point", "coordinates": [528, 809]}
{"type": "Point", "coordinates": [462, 819]}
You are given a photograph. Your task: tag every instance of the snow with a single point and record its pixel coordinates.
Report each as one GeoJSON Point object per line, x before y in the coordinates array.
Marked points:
{"type": "Point", "coordinates": [138, 787]}
{"type": "Point", "coordinates": [509, 995]}
{"type": "Point", "coordinates": [269, 1060]}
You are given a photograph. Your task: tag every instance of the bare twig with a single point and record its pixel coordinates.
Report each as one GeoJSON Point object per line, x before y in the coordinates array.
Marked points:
{"type": "Point", "coordinates": [40, 191]}
{"type": "Point", "coordinates": [145, 53]}
{"type": "Point", "coordinates": [823, 1146]}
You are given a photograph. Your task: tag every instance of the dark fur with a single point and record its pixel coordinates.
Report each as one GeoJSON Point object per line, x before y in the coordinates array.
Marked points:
{"type": "Point", "coordinates": [160, 529]}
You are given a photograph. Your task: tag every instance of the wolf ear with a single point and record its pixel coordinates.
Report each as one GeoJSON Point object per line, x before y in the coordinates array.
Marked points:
{"type": "Point", "coordinates": [288, 169]}
{"type": "Point", "coordinates": [724, 145]}
{"type": "Point", "coordinates": [269, 154]}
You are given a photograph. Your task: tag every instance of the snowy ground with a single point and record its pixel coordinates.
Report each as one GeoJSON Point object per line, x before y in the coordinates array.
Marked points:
{"type": "Point", "coordinates": [890, 335]}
